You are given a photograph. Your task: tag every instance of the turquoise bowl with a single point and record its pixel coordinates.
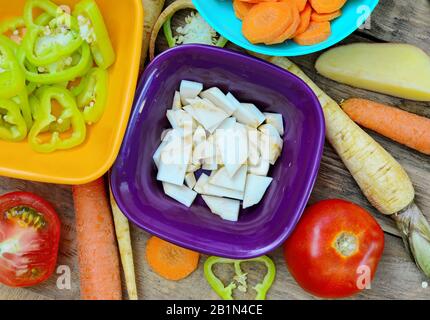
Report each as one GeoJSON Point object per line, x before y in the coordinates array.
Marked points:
{"type": "Point", "coordinates": [220, 15]}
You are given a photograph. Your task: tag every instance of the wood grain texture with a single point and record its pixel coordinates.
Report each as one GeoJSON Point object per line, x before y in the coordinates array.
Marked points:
{"type": "Point", "coordinates": [396, 278]}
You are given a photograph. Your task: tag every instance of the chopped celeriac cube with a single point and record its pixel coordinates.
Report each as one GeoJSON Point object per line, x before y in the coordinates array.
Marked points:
{"type": "Point", "coordinates": [261, 169]}
{"type": "Point", "coordinates": [271, 143]}
{"type": "Point", "coordinates": [276, 120]}
{"type": "Point", "coordinates": [256, 187]}
{"type": "Point", "coordinates": [206, 113]}
{"type": "Point", "coordinates": [189, 90]}
{"type": "Point", "coordinates": [218, 98]}
{"type": "Point", "coordinates": [182, 194]}
{"type": "Point", "coordinates": [177, 104]}
{"type": "Point", "coordinates": [227, 209]}
{"type": "Point", "coordinates": [190, 180]}
{"type": "Point", "coordinates": [221, 178]}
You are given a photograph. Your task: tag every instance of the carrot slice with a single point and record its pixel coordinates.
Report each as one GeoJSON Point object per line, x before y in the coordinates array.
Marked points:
{"type": "Point", "coordinates": [291, 30]}
{"type": "Point", "coordinates": [321, 17]}
{"type": "Point", "coordinates": [305, 19]}
{"type": "Point", "coordinates": [241, 8]}
{"type": "Point", "coordinates": [170, 261]}
{"type": "Point", "coordinates": [301, 4]}
{"type": "Point", "coordinates": [317, 32]}
{"type": "Point", "coordinates": [267, 21]}
{"type": "Point", "coordinates": [327, 6]}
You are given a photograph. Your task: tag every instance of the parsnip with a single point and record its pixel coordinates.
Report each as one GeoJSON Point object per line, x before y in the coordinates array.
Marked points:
{"type": "Point", "coordinates": [400, 70]}
{"type": "Point", "coordinates": [151, 11]}
{"type": "Point", "coordinates": [381, 178]}
{"type": "Point", "coordinates": [122, 230]}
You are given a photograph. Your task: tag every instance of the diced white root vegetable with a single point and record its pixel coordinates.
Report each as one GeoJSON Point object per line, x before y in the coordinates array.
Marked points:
{"type": "Point", "coordinates": [193, 167]}
{"type": "Point", "coordinates": [233, 147]}
{"type": "Point", "coordinates": [177, 104]}
{"type": "Point", "coordinates": [204, 187]}
{"type": "Point", "coordinates": [190, 180]}
{"type": "Point", "coordinates": [261, 169]}
{"type": "Point", "coordinates": [227, 209]}
{"type": "Point", "coordinates": [189, 90]}
{"type": "Point", "coordinates": [271, 143]}
{"type": "Point", "coordinates": [166, 137]}
{"type": "Point", "coordinates": [276, 120]}
{"type": "Point", "coordinates": [204, 150]}
{"type": "Point", "coordinates": [179, 119]}
{"type": "Point", "coordinates": [201, 182]}
{"type": "Point", "coordinates": [182, 194]}
{"type": "Point", "coordinates": [254, 137]}
{"type": "Point", "coordinates": [210, 164]}
{"type": "Point", "coordinates": [175, 157]}
{"type": "Point", "coordinates": [256, 187]}
{"type": "Point", "coordinates": [221, 178]}
{"type": "Point", "coordinates": [218, 98]}
{"type": "Point", "coordinates": [247, 113]}
{"type": "Point", "coordinates": [206, 113]}
{"type": "Point", "coordinates": [199, 135]}
{"type": "Point", "coordinates": [228, 123]}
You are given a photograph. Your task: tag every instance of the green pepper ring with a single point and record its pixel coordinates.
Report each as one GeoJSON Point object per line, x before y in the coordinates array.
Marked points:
{"type": "Point", "coordinates": [226, 293]}
{"type": "Point", "coordinates": [18, 128]}
{"type": "Point", "coordinates": [71, 73]}
{"type": "Point", "coordinates": [44, 118]}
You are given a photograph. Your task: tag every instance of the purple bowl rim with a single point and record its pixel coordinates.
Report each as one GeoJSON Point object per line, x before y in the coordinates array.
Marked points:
{"type": "Point", "coordinates": [309, 185]}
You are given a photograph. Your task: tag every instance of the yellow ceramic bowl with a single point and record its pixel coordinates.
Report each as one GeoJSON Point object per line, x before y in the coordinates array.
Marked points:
{"type": "Point", "coordinates": [124, 20]}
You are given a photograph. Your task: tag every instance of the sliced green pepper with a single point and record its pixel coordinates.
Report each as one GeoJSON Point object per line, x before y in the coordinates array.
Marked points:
{"type": "Point", "coordinates": [12, 124]}
{"type": "Point", "coordinates": [93, 97]}
{"type": "Point", "coordinates": [75, 70]}
{"type": "Point", "coordinates": [44, 119]}
{"type": "Point", "coordinates": [45, 44]}
{"type": "Point", "coordinates": [12, 79]}
{"type": "Point", "coordinates": [226, 292]}
{"type": "Point", "coordinates": [22, 101]}
{"type": "Point", "coordinates": [94, 31]}
{"type": "Point", "coordinates": [60, 126]}
{"type": "Point", "coordinates": [12, 25]}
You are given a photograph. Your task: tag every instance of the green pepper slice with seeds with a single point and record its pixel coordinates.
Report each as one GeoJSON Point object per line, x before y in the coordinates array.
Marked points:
{"type": "Point", "coordinates": [239, 282]}
{"type": "Point", "coordinates": [12, 124]}
{"type": "Point", "coordinates": [44, 119]}
{"type": "Point", "coordinates": [93, 30]}
{"type": "Point", "coordinates": [93, 97]}
{"type": "Point", "coordinates": [12, 79]}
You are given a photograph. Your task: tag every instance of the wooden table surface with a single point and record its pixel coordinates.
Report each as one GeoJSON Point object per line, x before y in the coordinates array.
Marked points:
{"type": "Point", "coordinates": [397, 277]}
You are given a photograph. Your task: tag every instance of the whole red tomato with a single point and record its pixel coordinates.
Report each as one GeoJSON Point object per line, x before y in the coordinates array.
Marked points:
{"type": "Point", "coordinates": [29, 238]}
{"type": "Point", "coordinates": [336, 246]}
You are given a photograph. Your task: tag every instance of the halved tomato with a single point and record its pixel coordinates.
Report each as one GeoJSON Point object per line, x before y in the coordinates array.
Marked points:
{"type": "Point", "coordinates": [29, 239]}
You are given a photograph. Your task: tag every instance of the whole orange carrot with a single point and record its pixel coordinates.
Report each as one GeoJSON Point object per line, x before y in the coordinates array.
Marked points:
{"type": "Point", "coordinates": [401, 126]}
{"type": "Point", "coordinates": [98, 253]}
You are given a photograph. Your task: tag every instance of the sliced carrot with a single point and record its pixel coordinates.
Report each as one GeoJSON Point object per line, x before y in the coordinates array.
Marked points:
{"type": "Point", "coordinates": [170, 261]}
{"type": "Point", "coordinates": [291, 29]}
{"type": "Point", "coordinates": [401, 126]}
{"type": "Point", "coordinates": [100, 277]}
{"type": "Point", "coordinates": [305, 19]}
{"type": "Point", "coordinates": [241, 8]}
{"type": "Point", "coordinates": [267, 21]}
{"type": "Point", "coordinates": [316, 32]}
{"type": "Point", "coordinates": [321, 17]}
{"type": "Point", "coordinates": [300, 4]}
{"type": "Point", "coordinates": [327, 6]}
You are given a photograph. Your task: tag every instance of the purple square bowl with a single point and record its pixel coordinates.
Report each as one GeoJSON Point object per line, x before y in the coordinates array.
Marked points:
{"type": "Point", "coordinates": [260, 229]}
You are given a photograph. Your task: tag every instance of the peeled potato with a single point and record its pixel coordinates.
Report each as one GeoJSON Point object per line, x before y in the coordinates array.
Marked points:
{"type": "Point", "coordinates": [400, 70]}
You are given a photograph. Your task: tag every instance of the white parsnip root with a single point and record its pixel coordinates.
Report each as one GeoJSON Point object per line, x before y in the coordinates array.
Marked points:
{"type": "Point", "coordinates": [152, 10]}
{"type": "Point", "coordinates": [122, 230]}
{"type": "Point", "coordinates": [381, 178]}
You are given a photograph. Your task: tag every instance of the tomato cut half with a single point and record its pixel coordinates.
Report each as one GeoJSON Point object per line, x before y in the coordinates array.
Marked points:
{"type": "Point", "coordinates": [29, 239]}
